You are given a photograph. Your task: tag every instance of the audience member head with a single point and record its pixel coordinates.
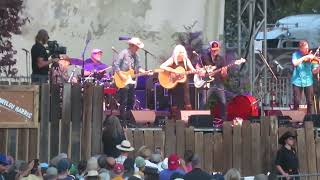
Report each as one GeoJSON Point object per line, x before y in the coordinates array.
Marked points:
{"type": "Point", "coordinates": [125, 147]}
{"type": "Point", "coordinates": [63, 166]}
{"type": "Point", "coordinates": [195, 162]}
{"type": "Point", "coordinates": [51, 174]}
{"type": "Point", "coordinates": [82, 166]}
{"type": "Point", "coordinates": [140, 163]}
{"type": "Point", "coordinates": [102, 161]}
{"type": "Point", "coordinates": [128, 165]}
{"type": "Point", "coordinates": [110, 163]}
{"type": "Point", "coordinates": [261, 177]}
{"type": "Point", "coordinates": [173, 162]}
{"type": "Point", "coordinates": [54, 161]}
{"type": "Point", "coordinates": [188, 155]}
{"type": "Point", "coordinates": [3, 163]}
{"type": "Point", "coordinates": [92, 164]}
{"type": "Point", "coordinates": [151, 173]}
{"type": "Point", "coordinates": [112, 126]}
{"type": "Point", "coordinates": [145, 152]}
{"type": "Point", "coordinates": [118, 169]}
{"type": "Point", "coordinates": [232, 174]}
{"type": "Point", "coordinates": [176, 176]}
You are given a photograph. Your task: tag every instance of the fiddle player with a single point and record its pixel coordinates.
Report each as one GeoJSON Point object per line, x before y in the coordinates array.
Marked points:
{"type": "Point", "coordinates": [302, 77]}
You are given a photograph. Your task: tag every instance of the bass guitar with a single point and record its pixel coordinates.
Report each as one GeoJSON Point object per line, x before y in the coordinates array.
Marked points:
{"type": "Point", "coordinates": [199, 81]}
{"type": "Point", "coordinates": [129, 77]}
{"type": "Point", "coordinates": [169, 80]}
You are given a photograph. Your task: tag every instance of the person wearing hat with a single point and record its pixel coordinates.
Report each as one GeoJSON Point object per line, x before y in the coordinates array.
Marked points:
{"type": "Point", "coordinates": [118, 171]}
{"type": "Point", "coordinates": [173, 166]}
{"type": "Point", "coordinates": [125, 148]}
{"type": "Point", "coordinates": [140, 163]}
{"type": "Point", "coordinates": [92, 175]}
{"type": "Point", "coordinates": [213, 59]}
{"type": "Point", "coordinates": [180, 93]}
{"type": "Point", "coordinates": [287, 162]}
{"type": "Point", "coordinates": [94, 64]}
{"type": "Point", "coordinates": [126, 60]}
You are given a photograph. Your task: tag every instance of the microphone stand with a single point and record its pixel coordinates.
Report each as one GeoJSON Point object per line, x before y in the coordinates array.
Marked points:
{"type": "Point", "coordinates": [146, 52]}
{"type": "Point", "coordinates": [82, 55]}
{"type": "Point", "coordinates": [264, 60]}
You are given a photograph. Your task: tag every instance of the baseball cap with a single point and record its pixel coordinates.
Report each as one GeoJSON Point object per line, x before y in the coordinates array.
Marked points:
{"type": "Point", "coordinates": [3, 160]}
{"type": "Point", "coordinates": [173, 162]}
{"type": "Point", "coordinates": [215, 45]}
{"type": "Point", "coordinates": [118, 168]}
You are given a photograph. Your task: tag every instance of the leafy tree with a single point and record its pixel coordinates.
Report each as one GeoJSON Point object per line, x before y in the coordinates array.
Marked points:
{"type": "Point", "coordinates": [10, 23]}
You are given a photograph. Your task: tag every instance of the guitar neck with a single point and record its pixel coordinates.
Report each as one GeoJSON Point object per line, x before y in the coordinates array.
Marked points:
{"type": "Point", "coordinates": [218, 70]}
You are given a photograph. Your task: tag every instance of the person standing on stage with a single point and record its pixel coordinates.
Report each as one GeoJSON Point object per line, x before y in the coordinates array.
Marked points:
{"type": "Point", "coordinates": [180, 94]}
{"type": "Point", "coordinates": [40, 58]}
{"type": "Point", "coordinates": [302, 77]}
{"type": "Point", "coordinates": [214, 59]}
{"type": "Point", "coordinates": [126, 60]}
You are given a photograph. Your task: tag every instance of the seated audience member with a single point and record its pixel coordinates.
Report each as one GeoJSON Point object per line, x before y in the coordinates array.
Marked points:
{"type": "Point", "coordinates": [125, 148]}
{"type": "Point", "coordinates": [197, 172]}
{"type": "Point", "coordinates": [173, 166]}
{"type": "Point", "coordinates": [146, 153]}
{"type": "Point", "coordinates": [151, 173]}
{"type": "Point", "coordinates": [63, 167]}
{"type": "Point", "coordinates": [140, 164]}
{"type": "Point", "coordinates": [188, 155]}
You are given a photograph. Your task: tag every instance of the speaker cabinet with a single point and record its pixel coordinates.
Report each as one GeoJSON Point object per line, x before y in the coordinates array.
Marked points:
{"type": "Point", "coordinates": [143, 116]}
{"type": "Point", "coordinates": [201, 121]}
{"type": "Point", "coordinates": [185, 114]}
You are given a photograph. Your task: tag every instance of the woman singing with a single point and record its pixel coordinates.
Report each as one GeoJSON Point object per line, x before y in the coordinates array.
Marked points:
{"type": "Point", "coordinates": [180, 94]}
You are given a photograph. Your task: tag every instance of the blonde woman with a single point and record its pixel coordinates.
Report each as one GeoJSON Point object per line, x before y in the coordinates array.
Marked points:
{"type": "Point", "coordinates": [180, 93]}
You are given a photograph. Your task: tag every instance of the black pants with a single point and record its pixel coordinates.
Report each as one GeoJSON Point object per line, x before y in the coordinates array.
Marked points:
{"type": "Point", "coordinates": [180, 95]}
{"type": "Point", "coordinates": [39, 78]}
{"type": "Point", "coordinates": [127, 98]}
{"type": "Point", "coordinates": [297, 93]}
{"type": "Point", "coordinates": [218, 90]}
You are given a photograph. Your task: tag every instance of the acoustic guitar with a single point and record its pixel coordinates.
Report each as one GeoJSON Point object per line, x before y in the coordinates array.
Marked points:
{"type": "Point", "coordinates": [130, 76]}
{"type": "Point", "coordinates": [169, 80]}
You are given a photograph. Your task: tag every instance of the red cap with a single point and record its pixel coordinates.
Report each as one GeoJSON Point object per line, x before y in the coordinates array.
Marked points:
{"type": "Point", "coordinates": [173, 162]}
{"type": "Point", "coordinates": [215, 45]}
{"type": "Point", "coordinates": [118, 168]}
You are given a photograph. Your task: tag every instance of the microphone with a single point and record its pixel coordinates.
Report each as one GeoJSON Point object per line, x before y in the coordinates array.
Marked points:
{"type": "Point", "coordinates": [124, 38]}
{"type": "Point", "coordinates": [89, 36]}
{"type": "Point", "coordinates": [195, 53]}
{"type": "Point", "coordinates": [114, 50]}
{"type": "Point", "coordinates": [25, 50]}
{"type": "Point", "coordinates": [278, 64]}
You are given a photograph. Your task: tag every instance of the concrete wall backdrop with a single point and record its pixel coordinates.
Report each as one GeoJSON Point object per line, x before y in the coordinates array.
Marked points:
{"type": "Point", "coordinates": [154, 21]}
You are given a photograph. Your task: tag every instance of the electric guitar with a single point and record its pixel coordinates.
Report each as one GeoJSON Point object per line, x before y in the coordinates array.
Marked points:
{"type": "Point", "coordinates": [169, 80]}
{"type": "Point", "coordinates": [199, 81]}
{"type": "Point", "coordinates": [129, 77]}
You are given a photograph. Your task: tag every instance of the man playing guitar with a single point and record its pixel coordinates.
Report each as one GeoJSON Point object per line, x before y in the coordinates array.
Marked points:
{"type": "Point", "coordinates": [128, 59]}
{"type": "Point", "coordinates": [213, 60]}
{"type": "Point", "coordinates": [180, 93]}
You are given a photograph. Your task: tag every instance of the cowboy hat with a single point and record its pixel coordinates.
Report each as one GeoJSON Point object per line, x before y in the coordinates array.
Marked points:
{"type": "Point", "coordinates": [285, 136]}
{"type": "Point", "coordinates": [136, 41]}
{"type": "Point", "coordinates": [125, 146]}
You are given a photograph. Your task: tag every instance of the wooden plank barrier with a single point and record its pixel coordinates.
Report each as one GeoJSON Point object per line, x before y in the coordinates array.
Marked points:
{"type": "Point", "coordinates": [70, 121]}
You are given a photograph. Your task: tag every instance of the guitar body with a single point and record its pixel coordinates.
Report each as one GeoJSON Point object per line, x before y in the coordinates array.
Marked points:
{"type": "Point", "coordinates": [128, 80]}
{"type": "Point", "coordinates": [199, 81]}
{"type": "Point", "coordinates": [168, 80]}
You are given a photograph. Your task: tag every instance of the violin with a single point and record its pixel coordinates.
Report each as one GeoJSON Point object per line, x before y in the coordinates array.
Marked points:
{"type": "Point", "coordinates": [316, 58]}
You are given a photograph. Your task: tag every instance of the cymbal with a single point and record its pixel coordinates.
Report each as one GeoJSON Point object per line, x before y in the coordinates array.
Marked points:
{"type": "Point", "coordinates": [75, 61]}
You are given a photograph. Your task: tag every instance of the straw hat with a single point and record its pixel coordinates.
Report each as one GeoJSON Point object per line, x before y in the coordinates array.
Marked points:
{"type": "Point", "coordinates": [125, 146]}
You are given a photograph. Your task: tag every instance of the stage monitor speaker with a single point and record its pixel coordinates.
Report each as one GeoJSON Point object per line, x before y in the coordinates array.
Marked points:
{"type": "Point", "coordinates": [282, 120]}
{"type": "Point", "coordinates": [295, 115]}
{"type": "Point", "coordinates": [315, 118]}
{"type": "Point", "coordinates": [143, 116]}
{"type": "Point", "coordinates": [185, 114]}
{"type": "Point", "coordinates": [201, 121]}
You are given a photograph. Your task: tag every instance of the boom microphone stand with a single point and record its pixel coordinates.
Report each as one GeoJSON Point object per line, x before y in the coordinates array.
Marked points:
{"type": "Point", "coordinates": [88, 39]}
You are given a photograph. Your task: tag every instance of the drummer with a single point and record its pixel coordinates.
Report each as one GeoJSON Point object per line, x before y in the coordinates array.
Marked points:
{"type": "Point", "coordinates": [94, 64]}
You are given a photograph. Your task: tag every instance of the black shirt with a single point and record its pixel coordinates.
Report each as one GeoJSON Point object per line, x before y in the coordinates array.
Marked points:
{"type": "Point", "coordinates": [197, 174]}
{"type": "Point", "coordinates": [110, 142]}
{"type": "Point", "coordinates": [218, 61]}
{"type": "Point", "coordinates": [38, 50]}
{"type": "Point", "coordinates": [288, 160]}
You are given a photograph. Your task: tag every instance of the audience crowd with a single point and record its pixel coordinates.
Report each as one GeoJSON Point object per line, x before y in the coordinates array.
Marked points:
{"type": "Point", "coordinates": [116, 163]}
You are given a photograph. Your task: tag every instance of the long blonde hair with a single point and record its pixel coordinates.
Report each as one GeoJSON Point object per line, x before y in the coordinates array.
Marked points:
{"type": "Point", "coordinates": [179, 48]}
